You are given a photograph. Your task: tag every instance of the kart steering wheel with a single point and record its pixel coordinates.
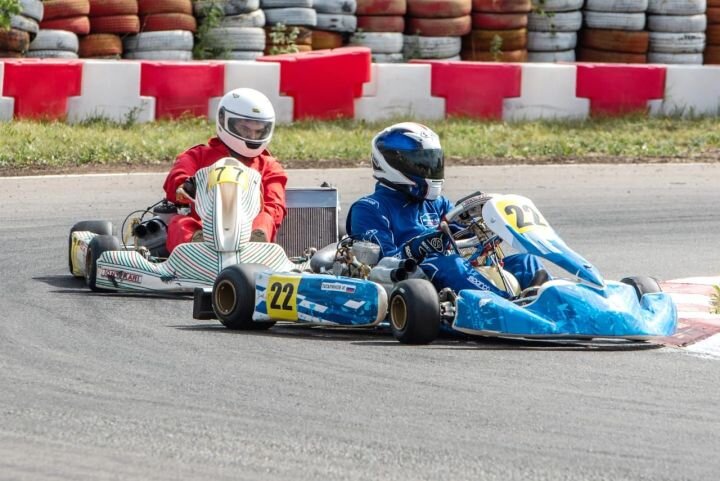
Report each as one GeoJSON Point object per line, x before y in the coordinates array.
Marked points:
{"type": "Point", "coordinates": [467, 211]}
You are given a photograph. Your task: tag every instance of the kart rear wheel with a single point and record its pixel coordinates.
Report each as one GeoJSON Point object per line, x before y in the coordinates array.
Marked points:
{"type": "Point", "coordinates": [642, 285]}
{"type": "Point", "coordinates": [98, 245]}
{"type": "Point", "coordinates": [415, 312]}
{"type": "Point", "coordinates": [100, 227]}
{"type": "Point", "coordinates": [233, 297]}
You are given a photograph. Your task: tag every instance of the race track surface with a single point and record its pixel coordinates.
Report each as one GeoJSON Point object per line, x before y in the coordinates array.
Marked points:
{"type": "Point", "coordinates": [109, 386]}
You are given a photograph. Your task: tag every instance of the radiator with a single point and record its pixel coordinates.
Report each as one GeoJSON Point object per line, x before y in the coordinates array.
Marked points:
{"type": "Point", "coordinates": [311, 221]}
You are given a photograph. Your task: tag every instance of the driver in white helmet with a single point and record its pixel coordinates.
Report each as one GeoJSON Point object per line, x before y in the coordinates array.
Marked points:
{"type": "Point", "coordinates": [245, 124]}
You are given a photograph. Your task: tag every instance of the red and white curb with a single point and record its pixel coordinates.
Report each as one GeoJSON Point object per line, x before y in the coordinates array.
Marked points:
{"type": "Point", "coordinates": [698, 323]}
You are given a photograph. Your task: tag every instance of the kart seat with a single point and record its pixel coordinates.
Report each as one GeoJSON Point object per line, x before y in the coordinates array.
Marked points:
{"type": "Point", "coordinates": [324, 259]}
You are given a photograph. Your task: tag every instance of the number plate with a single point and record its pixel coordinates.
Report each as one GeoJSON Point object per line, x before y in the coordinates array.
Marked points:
{"type": "Point", "coordinates": [282, 297]}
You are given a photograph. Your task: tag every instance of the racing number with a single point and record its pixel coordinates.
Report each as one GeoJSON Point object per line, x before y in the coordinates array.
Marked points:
{"type": "Point", "coordinates": [525, 217]}
{"type": "Point", "coordinates": [227, 173]}
{"type": "Point", "coordinates": [282, 297]}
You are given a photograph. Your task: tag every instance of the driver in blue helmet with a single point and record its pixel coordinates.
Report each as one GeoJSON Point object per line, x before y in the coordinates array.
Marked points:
{"type": "Point", "coordinates": [403, 215]}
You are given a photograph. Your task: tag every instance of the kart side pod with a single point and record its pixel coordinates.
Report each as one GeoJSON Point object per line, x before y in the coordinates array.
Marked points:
{"type": "Point", "coordinates": [247, 296]}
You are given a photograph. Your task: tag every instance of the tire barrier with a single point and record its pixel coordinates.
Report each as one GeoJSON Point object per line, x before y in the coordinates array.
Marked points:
{"type": "Point", "coordinates": [712, 35]}
{"type": "Point", "coordinates": [553, 27]}
{"type": "Point", "coordinates": [69, 15]}
{"type": "Point", "coordinates": [54, 44]}
{"type": "Point", "coordinates": [499, 31]}
{"type": "Point", "coordinates": [381, 24]}
{"type": "Point", "coordinates": [614, 31]}
{"type": "Point", "coordinates": [677, 31]}
{"type": "Point", "coordinates": [307, 86]}
{"type": "Point", "coordinates": [434, 28]}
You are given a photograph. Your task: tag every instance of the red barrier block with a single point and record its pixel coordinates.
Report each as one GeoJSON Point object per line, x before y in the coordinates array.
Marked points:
{"type": "Point", "coordinates": [616, 89]}
{"type": "Point", "coordinates": [325, 83]}
{"type": "Point", "coordinates": [474, 89]}
{"type": "Point", "coordinates": [41, 87]}
{"type": "Point", "coordinates": [182, 88]}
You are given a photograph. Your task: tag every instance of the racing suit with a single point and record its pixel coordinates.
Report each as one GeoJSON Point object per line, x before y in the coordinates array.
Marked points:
{"type": "Point", "coordinates": [390, 219]}
{"type": "Point", "coordinates": [274, 179]}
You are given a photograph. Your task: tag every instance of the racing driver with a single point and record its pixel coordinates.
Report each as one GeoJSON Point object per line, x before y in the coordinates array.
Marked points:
{"type": "Point", "coordinates": [403, 214]}
{"type": "Point", "coordinates": [244, 126]}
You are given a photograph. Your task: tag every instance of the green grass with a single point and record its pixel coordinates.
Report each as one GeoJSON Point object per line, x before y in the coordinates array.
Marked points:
{"type": "Point", "coordinates": [55, 146]}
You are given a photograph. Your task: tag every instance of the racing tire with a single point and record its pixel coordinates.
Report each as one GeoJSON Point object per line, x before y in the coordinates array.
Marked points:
{"type": "Point", "coordinates": [233, 308]}
{"type": "Point", "coordinates": [415, 312]}
{"type": "Point", "coordinates": [98, 245]}
{"type": "Point", "coordinates": [642, 285]}
{"type": "Point", "coordinates": [100, 227]}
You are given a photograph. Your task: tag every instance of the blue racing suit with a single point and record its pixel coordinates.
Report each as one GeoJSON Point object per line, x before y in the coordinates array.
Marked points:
{"type": "Point", "coordinates": [390, 219]}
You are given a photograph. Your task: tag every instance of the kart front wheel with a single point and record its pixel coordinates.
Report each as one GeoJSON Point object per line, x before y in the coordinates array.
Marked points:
{"type": "Point", "coordinates": [233, 297]}
{"type": "Point", "coordinates": [415, 312]}
{"type": "Point", "coordinates": [642, 285]}
{"type": "Point", "coordinates": [99, 227]}
{"type": "Point", "coordinates": [97, 246]}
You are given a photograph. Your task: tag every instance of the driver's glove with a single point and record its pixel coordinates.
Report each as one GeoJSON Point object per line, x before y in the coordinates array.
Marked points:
{"type": "Point", "coordinates": [186, 192]}
{"type": "Point", "coordinates": [431, 242]}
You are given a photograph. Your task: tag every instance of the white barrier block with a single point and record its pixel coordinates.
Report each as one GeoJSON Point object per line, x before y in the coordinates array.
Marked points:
{"type": "Point", "coordinates": [547, 92]}
{"type": "Point", "coordinates": [111, 90]}
{"type": "Point", "coordinates": [399, 90]}
{"type": "Point", "coordinates": [690, 90]}
{"type": "Point", "coordinates": [262, 76]}
{"type": "Point", "coordinates": [7, 104]}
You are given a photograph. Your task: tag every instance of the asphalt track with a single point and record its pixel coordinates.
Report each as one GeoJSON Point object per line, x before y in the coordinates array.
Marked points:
{"type": "Point", "coordinates": [102, 387]}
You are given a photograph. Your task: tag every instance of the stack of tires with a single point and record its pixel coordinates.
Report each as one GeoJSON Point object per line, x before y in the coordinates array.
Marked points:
{"type": "Point", "coordinates": [434, 28]}
{"type": "Point", "coordinates": [615, 31]}
{"type": "Point", "coordinates": [166, 31]}
{"type": "Point", "coordinates": [239, 34]}
{"type": "Point", "coordinates": [106, 18]}
{"type": "Point", "coordinates": [54, 44]}
{"type": "Point", "coordinates": [336, 21]}
{"type": "Point", "coordinates": [553, 27]}
{"type": "Point", "coordinates": [677, 31]}
{"type": "Point", "coordinates": [165, 15]}
{"type": "Point", "coordinates": [499, 31]}
{"type": "Point", "coordinates": [289, 22]}
{"type": "Point", "coordinates": [712, 47]}
{"type": "Point", "coordinates": [380, 27]}
{"type": "Point", "coordinates": [68, 15]}
{"type": "Point", "coordinates": [15, 41]}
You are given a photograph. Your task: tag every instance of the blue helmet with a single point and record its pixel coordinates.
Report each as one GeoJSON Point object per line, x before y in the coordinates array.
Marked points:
{"type": "Point", "coordinates": [408, 157]}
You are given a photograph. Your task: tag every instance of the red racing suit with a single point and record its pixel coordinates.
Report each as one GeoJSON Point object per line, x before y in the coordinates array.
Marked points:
{"type": "Point", "coordinates": [274, 179]}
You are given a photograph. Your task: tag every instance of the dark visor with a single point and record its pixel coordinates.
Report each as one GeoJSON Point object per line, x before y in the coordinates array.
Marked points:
{"type": "Point", "coordinates": [429, 163]}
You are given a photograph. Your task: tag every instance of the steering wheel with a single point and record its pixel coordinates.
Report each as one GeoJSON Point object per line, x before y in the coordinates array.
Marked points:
{"type": "Point", "coordinates": [466, 213]}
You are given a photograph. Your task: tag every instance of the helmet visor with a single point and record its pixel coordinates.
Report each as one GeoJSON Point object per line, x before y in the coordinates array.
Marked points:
{"type": "Point", "coordinates": [249, 129]}
{"type": "Point", "coordinates": [426, 163]}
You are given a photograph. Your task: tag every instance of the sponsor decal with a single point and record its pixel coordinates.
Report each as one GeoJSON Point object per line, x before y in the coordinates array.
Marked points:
{"type": "Point", "coordinates": [477, 283]}
{"type": "Point", "coordinates": [337, 287]}
{"type": "Point", "coordinates": [370, 201]}
{"type": "Point", "coordinates": [430, 219]}
{"type": "Point", "coordinates": [436, 244]}
{"type": "Point", "coordinates": [121, 276]}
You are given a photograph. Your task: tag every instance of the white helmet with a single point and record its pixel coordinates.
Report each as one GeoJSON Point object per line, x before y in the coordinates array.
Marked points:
{"type": "Point", "coordinates": [408, 157]}
{"type": "Point", "coordinates": [245, 121]}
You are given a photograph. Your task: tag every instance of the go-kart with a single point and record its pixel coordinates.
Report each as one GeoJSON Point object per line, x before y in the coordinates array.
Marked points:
{"type": "Point", "coordinates": [227, 200]}
{"type": "Point", "coordinates": [351, 286]}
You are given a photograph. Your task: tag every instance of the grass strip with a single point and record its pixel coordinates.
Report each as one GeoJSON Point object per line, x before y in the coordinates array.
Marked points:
{"type": "Point", "coordinates": [56, 146]}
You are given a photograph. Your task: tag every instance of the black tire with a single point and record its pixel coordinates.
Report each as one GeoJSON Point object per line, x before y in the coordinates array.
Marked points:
{"type": "Point", "coordinates": [100, 227]}
{"type": "Point", "coordinates": [642, 285]}
{"type": "Point", "coordinates": [415, 312]}
{"type": "Point", "coordinates": [97, 246]}
{"type": "Point", "coordinates": [233, 297]}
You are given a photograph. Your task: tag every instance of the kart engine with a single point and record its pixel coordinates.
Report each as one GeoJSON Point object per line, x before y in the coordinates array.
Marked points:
{"type": "Point", "coordinates": [151, 234]}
